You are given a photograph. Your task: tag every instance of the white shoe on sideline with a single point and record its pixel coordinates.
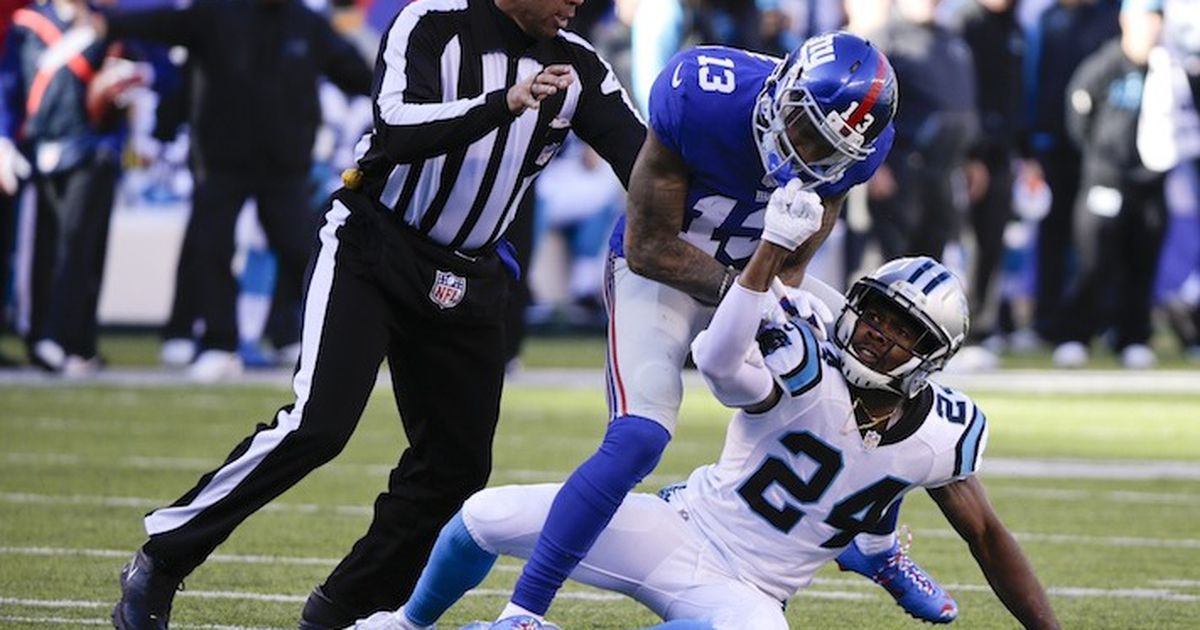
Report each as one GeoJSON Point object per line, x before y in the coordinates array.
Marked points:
{"type": "Point", "coordinates": [1138, 357]}
{"type": "Point", "coordinates": [48, 355]}
{"type": "Point", "coordinates": [77, 367]}
{"type": "Point", "coordinates": [1024, 341]}
{"type": "Point", "coordinates": [1070, 355]}
{"type": "Point", "coordinates": [177, 352]}
{"type": "Point", "coordinates": [215, 365]}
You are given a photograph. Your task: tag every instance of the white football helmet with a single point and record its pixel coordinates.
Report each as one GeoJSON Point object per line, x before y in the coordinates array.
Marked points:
{"type": "Point", "coordinates": [930, 295]}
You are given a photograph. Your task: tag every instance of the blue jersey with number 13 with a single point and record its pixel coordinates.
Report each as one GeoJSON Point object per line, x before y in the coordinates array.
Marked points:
{"type": "Point", "coordinates": [702, 108]}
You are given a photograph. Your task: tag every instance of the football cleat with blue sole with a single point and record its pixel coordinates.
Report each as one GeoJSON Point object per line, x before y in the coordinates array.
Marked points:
{"type": "Point", "coordinates": [914, 589]}
{"type": "Point", "coordinates": [147, 592]}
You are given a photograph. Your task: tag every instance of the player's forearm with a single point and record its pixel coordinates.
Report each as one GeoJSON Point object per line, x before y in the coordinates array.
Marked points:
{"type": "Point", "coordinates": [680, 265]}
{"type": "Point", "coordinates": [793, 269]}
{"type": "Point", "coordinates": [1012, 578]}
{"type": "Point", "coordinates": [653, 248]}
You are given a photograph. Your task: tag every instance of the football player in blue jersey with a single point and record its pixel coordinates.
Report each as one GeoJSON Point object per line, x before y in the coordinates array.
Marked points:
{"type": "Point", "coordinates": [729, 129]}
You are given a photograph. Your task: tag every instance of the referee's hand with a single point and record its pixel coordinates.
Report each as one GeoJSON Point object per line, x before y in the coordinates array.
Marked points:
{"type": "Point", "coordinates": [529, 92]}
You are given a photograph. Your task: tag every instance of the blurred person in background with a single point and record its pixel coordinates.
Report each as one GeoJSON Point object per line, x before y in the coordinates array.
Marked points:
{"type": "Point", "coordinates": [580, 198]}
{"type": "Point", "coordinates": [254, 117]}
{"type": "Point", "coordinates": [1120, 213]}
{"type": "Point", "coordinates": [990, 29]}
{"type": "Point", "coordinates": [13, 168]}
{"type": "Point", "coordinates": [1169, 140]}
{"type": "Point", "coordinates": [662, 28]}
{"type": "Point", "coordinates": [64, 89]}
{"type": "Point", "coordinates": [785, 24]}
{"type": "Point", "coordinates": [865, 18]}
{"type": "Point", "coordinates": [1065, 33]}
{"type": "Point", "coordinates": [919, 203]}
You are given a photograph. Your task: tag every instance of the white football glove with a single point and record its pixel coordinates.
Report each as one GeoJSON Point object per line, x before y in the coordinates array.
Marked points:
{"type": "Point", "coordinates": [13, 167]}
{"type": "Point", "coordinates": [792, 216]}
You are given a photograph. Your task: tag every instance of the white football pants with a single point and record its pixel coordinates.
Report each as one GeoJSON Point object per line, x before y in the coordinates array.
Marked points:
{"type": "Point", "coordinates": [649, 552]}
{"type": "Point", "coordinates": [650, 331]}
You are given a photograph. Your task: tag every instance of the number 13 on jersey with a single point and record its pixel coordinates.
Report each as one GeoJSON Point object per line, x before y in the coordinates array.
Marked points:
{"type": "Point", "coordinates": [716, 74]}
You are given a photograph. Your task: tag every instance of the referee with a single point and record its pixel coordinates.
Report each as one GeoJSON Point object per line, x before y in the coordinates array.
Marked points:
{"type": "Point", "coordinates": [472, 99]}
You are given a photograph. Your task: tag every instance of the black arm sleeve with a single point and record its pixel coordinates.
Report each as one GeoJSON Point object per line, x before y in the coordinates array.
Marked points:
{"type": "Point", "coordinates": [411, 117]}
{"type": "Point", "coordinates": [606, 119]}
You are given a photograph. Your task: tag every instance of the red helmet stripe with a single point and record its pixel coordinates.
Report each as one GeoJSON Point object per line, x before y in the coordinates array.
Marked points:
{"type": "Point", "coordinates": [872, 94]}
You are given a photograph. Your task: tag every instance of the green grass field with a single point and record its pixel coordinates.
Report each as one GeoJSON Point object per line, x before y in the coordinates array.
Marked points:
{"type": "Point", "coordinates": [80, 464]}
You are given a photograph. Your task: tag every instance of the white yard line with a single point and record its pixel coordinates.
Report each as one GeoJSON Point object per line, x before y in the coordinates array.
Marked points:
{"type": "Point", "coordinates": [1071, 592]}
{"type": "Point", "coordinates": [1115, 470]}
{"type": "Point", "coordinates": [1025, 381]}
{"type": "Point", "coordinates": [1177, 583]}
{"type": "Point", "coordinates": [1076, 539]}
{"type": "Point", "coordinates": [144, 502]}
{"type": "Point", "coordinates": [994, 467]}
{"type": "Point", "coordinates": [75, 621]}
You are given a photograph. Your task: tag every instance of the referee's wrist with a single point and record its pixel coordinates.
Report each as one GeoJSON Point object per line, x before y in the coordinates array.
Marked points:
{"type": "Point", "coordinates": [497, 104]}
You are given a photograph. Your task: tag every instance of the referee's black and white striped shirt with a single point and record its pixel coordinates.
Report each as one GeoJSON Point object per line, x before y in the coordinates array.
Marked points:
{"type": "Point", "coordinates": [446, 152]}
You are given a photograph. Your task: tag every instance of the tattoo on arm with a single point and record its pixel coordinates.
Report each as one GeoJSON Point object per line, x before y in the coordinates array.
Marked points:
{"type": "Point", "coordinates": [654, 216]}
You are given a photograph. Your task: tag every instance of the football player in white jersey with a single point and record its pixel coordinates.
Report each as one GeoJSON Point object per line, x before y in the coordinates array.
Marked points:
{"type": "Point", "coordinates": [827, 436]}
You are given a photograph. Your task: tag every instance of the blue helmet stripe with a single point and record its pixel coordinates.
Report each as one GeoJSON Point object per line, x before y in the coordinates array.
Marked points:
{"type": "Point", "coordinates": [932, 284]}
{"type": "Point", "coordinates": [920, 270]}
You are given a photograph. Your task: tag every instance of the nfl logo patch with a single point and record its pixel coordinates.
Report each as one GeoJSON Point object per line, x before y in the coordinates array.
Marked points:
{"type": "Point", "coordinates": [448, 289]}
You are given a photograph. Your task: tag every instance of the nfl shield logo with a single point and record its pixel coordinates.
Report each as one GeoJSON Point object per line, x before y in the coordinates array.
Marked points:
{"type": "Point", "coordinates": [448, 289]}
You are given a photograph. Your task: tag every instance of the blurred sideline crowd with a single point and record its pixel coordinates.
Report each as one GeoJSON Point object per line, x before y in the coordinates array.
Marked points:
{"type": "Point", "coordinates": [1047, 150]}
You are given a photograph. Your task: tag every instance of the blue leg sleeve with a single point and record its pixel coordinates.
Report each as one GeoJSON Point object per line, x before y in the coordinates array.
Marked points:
{"type": "Point", "coordinates": [586, 503]}
{"type": "Point", "coordinates": [456, 565]}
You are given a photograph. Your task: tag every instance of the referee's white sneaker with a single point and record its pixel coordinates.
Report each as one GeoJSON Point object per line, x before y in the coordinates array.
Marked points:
{"type": "Point", "coordinates": [212, 366]}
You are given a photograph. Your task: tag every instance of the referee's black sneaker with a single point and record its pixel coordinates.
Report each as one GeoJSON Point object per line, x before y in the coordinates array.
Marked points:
{"type": "Point", "coordinates": [320, 613]}
{"type": "Point", "coordinates": [147, 591]}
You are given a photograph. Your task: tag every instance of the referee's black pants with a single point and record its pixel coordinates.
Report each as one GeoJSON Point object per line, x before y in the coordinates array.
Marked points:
{"type": "Point", "coordinates": [368, 298]}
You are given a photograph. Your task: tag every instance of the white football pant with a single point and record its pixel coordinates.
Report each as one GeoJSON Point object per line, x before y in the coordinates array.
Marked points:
{"type": "Point", "coordinates": [649, 552]}
{"type": "Point", "coordinates": [650, 331]}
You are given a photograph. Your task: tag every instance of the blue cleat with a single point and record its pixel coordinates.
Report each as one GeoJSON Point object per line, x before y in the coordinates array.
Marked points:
{"type": "Point", "coordinates": [146, 595]}
{"type": "Point", "coordinates": [914, 589]}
